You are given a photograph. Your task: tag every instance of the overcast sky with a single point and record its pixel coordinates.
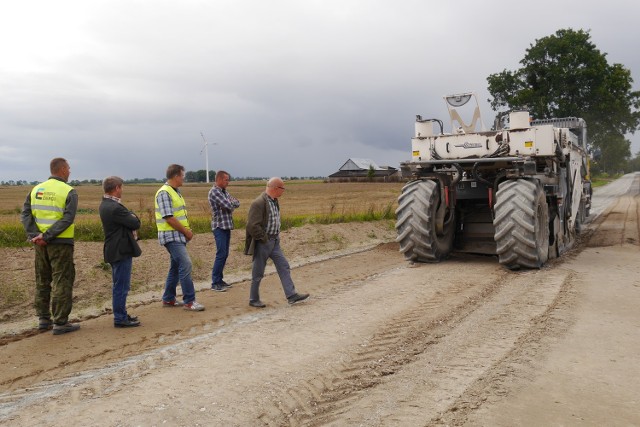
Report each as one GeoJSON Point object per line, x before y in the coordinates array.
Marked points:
{"type": "Point", "coordinates": [278, 87]}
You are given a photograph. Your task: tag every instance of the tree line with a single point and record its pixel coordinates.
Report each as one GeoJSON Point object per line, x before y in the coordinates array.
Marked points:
{"type": "Point", "coordinates": [190, 176]}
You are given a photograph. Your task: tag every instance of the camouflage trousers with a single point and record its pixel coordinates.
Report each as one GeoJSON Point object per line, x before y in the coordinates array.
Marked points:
{"type": "Point", "coordinates": [55, 274]}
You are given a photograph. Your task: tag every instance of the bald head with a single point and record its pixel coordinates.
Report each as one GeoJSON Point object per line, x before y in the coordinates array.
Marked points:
{"type": "Point", "coordinates": [275, 187]}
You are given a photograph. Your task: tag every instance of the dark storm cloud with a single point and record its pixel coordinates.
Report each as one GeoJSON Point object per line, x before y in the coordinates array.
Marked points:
{"type": "Point", "coordinates": [278, 88]}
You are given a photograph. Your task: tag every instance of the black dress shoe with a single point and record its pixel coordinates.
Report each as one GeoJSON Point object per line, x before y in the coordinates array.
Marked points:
{"type": "Point", "coordinates": [45, 324]}
{"type": "Point", "coordinates": [296, 298]}
{"type": "Point", "coordinates": [257, 304]}
{"type": "Point", "coordinates": [132, 318]}
{"type": "Point", "coordinates": [126, 324]}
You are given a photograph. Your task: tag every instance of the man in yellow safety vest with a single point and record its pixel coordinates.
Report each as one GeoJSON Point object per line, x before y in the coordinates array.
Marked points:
{"type": "Point", "coordinates": [173, 233]}
{"type": "Point", "coordinates": [47, 216]}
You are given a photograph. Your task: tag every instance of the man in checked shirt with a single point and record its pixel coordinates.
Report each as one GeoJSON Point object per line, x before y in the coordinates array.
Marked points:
{"type": "Point", "coordinates": [174, 232]}
{"type": "Point", "coordinates": [222, 206]}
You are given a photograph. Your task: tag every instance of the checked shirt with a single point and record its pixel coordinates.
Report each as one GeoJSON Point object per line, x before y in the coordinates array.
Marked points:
{"type": "Point", "coordinates": [222, 206]}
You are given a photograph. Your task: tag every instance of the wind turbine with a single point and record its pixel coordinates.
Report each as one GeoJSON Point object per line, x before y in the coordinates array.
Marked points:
{"type": "Point", "coordinates": [206, 155]}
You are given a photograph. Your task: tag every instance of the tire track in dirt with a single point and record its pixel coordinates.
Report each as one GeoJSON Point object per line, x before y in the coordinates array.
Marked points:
{"type": "Point", "coordinates": [620, 222]}
{"type": "Point", "coordinates": [516, 364]}
{"type": "Point", "coordinates": [135, 341]}
{"type": "Point", "coordinates": [617, 225]}
{"type": "Point", "coordinates": [94, 383]}
{"type": "Point", "coordinates": [317, 400]}
{"type": "Point", "coordinates": [378, 386]}
{"type": "Point", "coordinates": [93, 366]}
{"type": "Point", "coordinates": [394, 300]}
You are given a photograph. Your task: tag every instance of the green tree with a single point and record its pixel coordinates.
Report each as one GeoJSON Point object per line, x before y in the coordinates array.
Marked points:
{"type": "Point", "coordinates": [634, 163]}
{"type": "Point", "coordinates": [565, 75]}
{"type": "Point", "coordinates": [201, 175]}
{"type": "Point", "coordinates": [191, 176]}
{"type": "Point", "coordinates": [613, 156]}
{"type": "Point", "coordinates": [371, 173]}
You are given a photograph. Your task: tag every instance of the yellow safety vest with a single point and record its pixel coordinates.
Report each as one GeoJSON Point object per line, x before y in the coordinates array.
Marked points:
{"type": "Point", "coordinates": [179, 209]}
{"type": "Point", "coordinates": [48, 201]}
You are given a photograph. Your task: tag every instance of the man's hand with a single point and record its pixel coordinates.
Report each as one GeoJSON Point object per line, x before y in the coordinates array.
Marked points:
{"type": "Point", "coordinates": [39, 240]}
{"type": "Point", "coordinates": [172, 221]}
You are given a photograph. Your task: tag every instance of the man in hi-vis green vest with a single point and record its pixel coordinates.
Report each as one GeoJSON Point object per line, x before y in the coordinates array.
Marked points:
{"type": "Point", "coordinates": [47, 217]}
{"type": "Point", "coordinates": [174, 232]}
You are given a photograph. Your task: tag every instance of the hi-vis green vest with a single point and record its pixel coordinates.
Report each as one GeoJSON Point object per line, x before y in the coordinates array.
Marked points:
{"type": "Point", "coordinates": [179, 209]}
{"type": "Point", "coordinates": [48, 201]}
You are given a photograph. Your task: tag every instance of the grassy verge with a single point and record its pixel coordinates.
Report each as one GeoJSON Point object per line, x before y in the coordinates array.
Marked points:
{"type": "Point", "coordinates": [89, 228]}
{"type": "Point", "coordinates": [603, 179]}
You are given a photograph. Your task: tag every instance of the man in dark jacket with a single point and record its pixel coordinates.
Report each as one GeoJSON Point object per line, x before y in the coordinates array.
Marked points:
{"type": "Point", "coordinates": [120, 246]}
{"type": "Point", "coordinates": [263, 242]}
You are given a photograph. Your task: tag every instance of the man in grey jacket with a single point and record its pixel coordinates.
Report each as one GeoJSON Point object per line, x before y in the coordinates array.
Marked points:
{"type": "Point", "coordinates": [263, 242]}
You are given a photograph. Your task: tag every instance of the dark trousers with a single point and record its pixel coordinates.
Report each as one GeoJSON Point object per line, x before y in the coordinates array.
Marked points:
{"type": "Point", "coordinates": [55, 274]}
{"type": "Point", "coordinates": [223, 239]}
{"type": "Point", "coordinates": [121, 276]}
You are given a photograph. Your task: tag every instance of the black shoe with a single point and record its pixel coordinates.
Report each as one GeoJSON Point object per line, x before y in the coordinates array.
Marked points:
{"type": "Point", "coordinates": [257, 304]}
{"type": "Point", "coordinates": [218, 288]}
{"type": "Point", "coordinates": [126, 323]}
{"type": "Point", "coordinates": [132, 318]}
{"type": "Point", "coordinates": [295, 298]}
{"type": "Point", "coordinates": [224, 284]}
{"type": "Point", "coordinates": [63, 329]}
{"type": "Point", "coordinates": [44, 324]}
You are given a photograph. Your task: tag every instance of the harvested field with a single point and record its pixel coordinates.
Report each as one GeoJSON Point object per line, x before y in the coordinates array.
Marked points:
{"type": "Point", "coordinates": [92, 289]}
{"type": "Point", "coordinates": [301, 198]}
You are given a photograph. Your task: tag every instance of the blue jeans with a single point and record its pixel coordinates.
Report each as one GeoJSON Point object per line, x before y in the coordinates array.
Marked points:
{"type": "Point", "coordinates": [121, 276]}
{"type": "Point", "coordinates": [223, 238]}
{"type": "Point", "coordinates": [262, 252]}
{"type": "Point", "coordinates": [179, 271]}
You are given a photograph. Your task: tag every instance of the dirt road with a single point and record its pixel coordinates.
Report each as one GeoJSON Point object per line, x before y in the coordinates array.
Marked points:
{"type": "Point", "coordinates": [462, 342]}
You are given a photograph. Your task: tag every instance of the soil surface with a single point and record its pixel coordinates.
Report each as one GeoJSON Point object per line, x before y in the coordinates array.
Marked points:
{"type": "Point", "coordinates": [380, 342]}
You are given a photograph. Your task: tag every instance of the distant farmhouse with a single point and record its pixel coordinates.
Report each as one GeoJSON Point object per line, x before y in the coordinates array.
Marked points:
{"type": "Point", "coordinates": [358, 170]}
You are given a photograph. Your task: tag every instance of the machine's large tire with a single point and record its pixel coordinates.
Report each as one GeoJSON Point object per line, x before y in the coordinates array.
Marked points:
{"type": "Point", "coordinates": [521, 224]}
{"type": "Point", "coordinates": [416, 223]}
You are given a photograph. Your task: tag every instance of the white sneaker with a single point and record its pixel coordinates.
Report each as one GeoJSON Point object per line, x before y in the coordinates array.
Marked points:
{"type": "Point", "coordinates": [194, 306]}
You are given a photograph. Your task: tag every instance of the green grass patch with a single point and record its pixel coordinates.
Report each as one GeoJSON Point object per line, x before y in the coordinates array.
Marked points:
{"type": "Point", "coordinates": [15, 211]}
{"type": "Point", "coordinates": [12, 236]}
{"type": "Point", "coordinates": [603, 179]}
{"type": "Point", "coordinates": [371, 214]}
{"type": "Point", "coordinates": [90, 229]}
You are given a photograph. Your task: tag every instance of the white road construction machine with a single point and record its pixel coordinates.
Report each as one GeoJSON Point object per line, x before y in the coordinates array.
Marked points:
{"type": "Point", "coordinates": [520, 191]}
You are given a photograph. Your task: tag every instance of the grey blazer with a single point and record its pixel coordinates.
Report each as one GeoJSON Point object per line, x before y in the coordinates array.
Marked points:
{"type": "Point", "coordinates": [256, 223]}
